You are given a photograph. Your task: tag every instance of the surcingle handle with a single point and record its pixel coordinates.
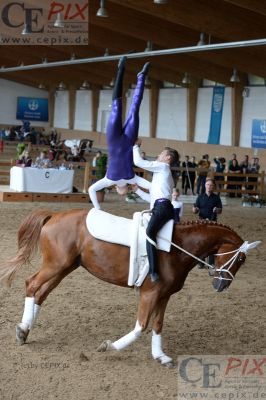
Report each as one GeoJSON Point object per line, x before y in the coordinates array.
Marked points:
{"type": "Point", "coordinates": [142, 213]}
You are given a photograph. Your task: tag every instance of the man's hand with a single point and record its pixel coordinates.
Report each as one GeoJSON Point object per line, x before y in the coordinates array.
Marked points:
{"type": "Point", "coordinates": [195, 210]}
{"type": "Point", "coordinates": [138, 142]}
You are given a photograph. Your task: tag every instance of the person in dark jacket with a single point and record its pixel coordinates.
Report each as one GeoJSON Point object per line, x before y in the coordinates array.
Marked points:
{"type": "Point", "coordinates": [208, 205]}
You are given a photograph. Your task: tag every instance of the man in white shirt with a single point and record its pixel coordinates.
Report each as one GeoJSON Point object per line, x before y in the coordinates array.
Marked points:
{"type": "Point", "coordinates": [159, 196]}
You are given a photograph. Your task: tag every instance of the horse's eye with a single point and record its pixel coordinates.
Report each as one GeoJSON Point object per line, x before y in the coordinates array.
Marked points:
{"type": "Point", "coordinates": [241, 258]}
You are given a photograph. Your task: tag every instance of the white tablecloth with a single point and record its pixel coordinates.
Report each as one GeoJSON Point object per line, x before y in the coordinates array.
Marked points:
{"type": "Point", "coordinates": [46, 180]}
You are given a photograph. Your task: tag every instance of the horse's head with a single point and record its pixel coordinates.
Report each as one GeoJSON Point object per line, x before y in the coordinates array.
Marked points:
{"type": "Point", "coordinates": [228, 260]}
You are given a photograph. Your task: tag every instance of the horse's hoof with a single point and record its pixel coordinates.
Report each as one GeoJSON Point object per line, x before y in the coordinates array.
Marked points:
{"type": "Point", "coordinates": [21, 335]}
{"type": "Point", "coordinates": [166, 361]}
{"type": "Point", "coordinates": [105, 346]}
{"type": "Point", "coordinates": [170, 365]}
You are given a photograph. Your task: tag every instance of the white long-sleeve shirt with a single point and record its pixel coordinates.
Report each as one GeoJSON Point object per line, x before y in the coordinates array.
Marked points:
{"type": "Point", "coordinates": [178, 204]}
{"type": "Point", "coordinates": [162, 182]}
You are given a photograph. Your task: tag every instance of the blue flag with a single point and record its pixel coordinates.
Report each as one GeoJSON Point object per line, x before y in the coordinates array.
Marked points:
{"type": "Point", "coordinates": [216, 115]}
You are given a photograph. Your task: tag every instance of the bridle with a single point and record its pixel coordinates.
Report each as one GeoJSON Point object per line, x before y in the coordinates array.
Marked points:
{"type": "Point", "coordinates": [244, 248]}
{"type": "Point", "coordinates": [236, 257]}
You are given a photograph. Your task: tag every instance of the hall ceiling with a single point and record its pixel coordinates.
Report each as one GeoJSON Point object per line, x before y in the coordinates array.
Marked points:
{"type": "Point", "coordinates": [131, 23]}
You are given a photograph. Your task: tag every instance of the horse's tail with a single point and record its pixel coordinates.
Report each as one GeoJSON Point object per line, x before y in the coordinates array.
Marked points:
{"type": "Point", "coordinates": [28, 239]}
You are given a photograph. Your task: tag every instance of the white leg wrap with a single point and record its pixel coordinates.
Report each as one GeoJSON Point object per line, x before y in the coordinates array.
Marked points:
{"type": "Point", "coordinates": [28, 314]}
{"type": "Point", "coordinates": [126, 340]}
{"type": "Point", "coordinates": [36, 311]}
{"type": "Point", "coordinates": [156, 349]}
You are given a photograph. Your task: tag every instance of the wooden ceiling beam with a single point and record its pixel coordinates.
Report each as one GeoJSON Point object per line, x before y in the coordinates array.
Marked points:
{"type": "Point", "coordinates": [257, 6]}
{"type": "Point", "coordinates": [215, 17]}
{"type": "Point", "coordinates": [235, 59]}
{"type": "Point", "coordinates": [105, 71]}
{"type": "Point", "coordinates": [72, 73]}
{"type": "Point", "coordinates": [178, 63]}
{"type": "Point", "coordinates": [181, 17]}
{"type": "Point", "coordinates": [132, 29]}
{"type": "Point", "coordinates": [48, 78]}
{"type": "Point", "coordinates": [135, 23]}
{"type": "Point", "coordinates": [21, 79]}
{"type": "Point", "coordinates": [131, 23]}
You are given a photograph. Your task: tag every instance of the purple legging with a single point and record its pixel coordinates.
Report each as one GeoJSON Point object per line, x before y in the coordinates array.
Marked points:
{"type": "Point", "coordinates": [121, 139]}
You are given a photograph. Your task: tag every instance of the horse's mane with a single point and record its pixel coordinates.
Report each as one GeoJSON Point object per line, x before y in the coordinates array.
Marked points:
{"type": "Point", "coordinates": [205, 222]}
{"type": "Point", "coordinates": [229, 234]}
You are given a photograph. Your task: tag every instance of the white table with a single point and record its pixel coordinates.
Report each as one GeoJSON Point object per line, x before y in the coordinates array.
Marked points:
{"type": "Point", "coordinates": [46, 180]}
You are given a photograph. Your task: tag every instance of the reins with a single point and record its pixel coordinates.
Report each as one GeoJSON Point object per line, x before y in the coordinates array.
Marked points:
{"type": "Point", "coordinates": [211, 267]}
{"type": "Point", "coordinates": [244, 248]}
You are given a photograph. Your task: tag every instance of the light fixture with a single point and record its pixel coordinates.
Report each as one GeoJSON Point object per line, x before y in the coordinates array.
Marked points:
{"type": "Point", "coordinates": [235, 78]}
{"type": "Point", "coordinates": [106, 52]}
{"type": "Point", "coordinates": [102, 12]}
{"type": "Point", "coordinates": [112, 83]}
{"type": "Point", "coordinates": [59, 22]}
{"type": "Point", "coordinates": [160, 1]}
{"type": "Point", "coordinates": [26, 30]}
{"type": "Point", "coordinates": [149, 46]}
{"type": "Point", "coordinates": [41, 86]}
{"type": "Point", "coordinates": [85, 86]}
{"type": "Point", "coordinates": [61, 86]}
{"type": "Point", "coordinates": [202, 41]}
{"type": "Point", "coordinates": [186, 80]}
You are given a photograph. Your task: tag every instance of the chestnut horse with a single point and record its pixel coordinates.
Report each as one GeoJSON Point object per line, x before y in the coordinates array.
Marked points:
{"type": "Point", "coordinates": [66, 244]}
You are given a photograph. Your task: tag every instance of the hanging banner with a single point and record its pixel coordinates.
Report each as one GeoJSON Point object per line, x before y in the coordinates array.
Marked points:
{"type": "Point", "coordinates": [258, 137]}
{"type": "Point", "coordinates": [216, 115]}
{"type": "Point", "coordinates": [32, 109]}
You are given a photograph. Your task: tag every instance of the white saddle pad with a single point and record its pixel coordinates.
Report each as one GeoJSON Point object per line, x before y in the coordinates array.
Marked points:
{"type": "Point", "coordinates": [130, 233]}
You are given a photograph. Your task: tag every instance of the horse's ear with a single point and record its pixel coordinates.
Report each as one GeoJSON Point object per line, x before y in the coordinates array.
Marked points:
{"type": "Point", "coordinates": [246, 246]}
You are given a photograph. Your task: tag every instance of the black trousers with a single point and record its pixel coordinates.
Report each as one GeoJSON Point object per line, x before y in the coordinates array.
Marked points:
{"type": "Point", "coordinates": [162, 212]}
